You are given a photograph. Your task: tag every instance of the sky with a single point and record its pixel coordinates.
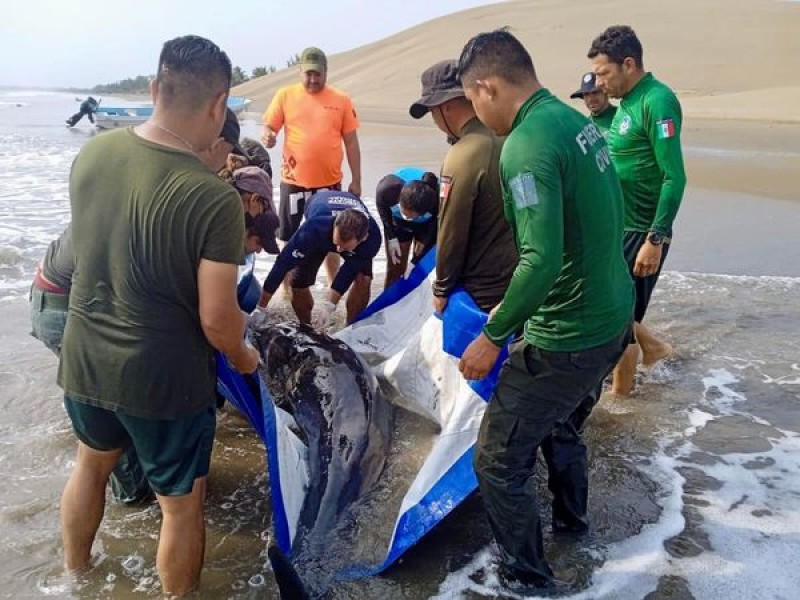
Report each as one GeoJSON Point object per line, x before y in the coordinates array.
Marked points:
{"type": "Point", "coordinates": [77, 43]}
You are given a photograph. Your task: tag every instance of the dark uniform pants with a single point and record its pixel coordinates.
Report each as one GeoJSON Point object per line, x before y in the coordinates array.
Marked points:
{"type": "Point", "coordinates": [542, 400]}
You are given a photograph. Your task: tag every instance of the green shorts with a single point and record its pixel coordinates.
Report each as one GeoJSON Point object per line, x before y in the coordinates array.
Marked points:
{"type": "Point", "coordinates": [172, 453]}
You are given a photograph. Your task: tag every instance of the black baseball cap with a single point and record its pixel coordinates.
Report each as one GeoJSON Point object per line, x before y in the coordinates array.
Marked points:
{"type": "Point", "coordinates": [588, 85]}
{"type": "Point", "coordinates": [440, 83]}
{"type": "Point", "coordinates": [230, 132]}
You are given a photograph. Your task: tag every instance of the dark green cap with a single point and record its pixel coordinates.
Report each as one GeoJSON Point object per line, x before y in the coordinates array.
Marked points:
{"type": "Point", "coordinates": [313, 59]}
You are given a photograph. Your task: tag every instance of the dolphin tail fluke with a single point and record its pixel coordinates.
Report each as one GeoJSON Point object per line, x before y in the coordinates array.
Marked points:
{"type": "Point", "coordinates": [289, 583]}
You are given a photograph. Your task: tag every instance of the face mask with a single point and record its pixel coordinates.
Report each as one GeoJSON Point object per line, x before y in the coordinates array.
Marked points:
{"type": "Point", "coordinates": [397, 214]}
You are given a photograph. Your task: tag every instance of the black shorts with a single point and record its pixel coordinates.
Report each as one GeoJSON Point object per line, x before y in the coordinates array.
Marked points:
{"type": "Point", "coordinates": [293, 204]}
{"type": "Point", "coordinates": [632, 241]}
{"type": "Point", "coordinates": [305, 274]}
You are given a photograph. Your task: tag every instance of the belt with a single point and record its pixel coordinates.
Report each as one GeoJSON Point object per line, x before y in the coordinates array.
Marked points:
{"type": "Point", "coordinates": [43, 299]}
{"type": "Point", "coordinates": [44, 284]}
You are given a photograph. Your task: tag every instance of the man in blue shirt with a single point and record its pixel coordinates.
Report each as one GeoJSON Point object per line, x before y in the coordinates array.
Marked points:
{"type": "Point", "coordinates": [338, 222]}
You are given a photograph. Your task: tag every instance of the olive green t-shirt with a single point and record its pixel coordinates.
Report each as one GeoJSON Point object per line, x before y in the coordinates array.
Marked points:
{"type": "Point", "coordinates": [474, 247]}
{"type": "Point", "coordinates": [143, 215]}
{"type": "Point", "coordinates": [645, 145]}
{"type": "Point", "coordinates": [58, 264]}
{"type": "Point", "coordinates": [571, 288]}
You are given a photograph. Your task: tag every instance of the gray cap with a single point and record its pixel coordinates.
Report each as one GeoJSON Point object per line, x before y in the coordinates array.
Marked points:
{"type": "Point", "coordinates": [440, 83]}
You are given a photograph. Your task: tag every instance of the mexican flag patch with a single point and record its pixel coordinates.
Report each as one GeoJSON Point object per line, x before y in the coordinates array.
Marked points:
{"type": "Point", "coordinates": [665, 128]}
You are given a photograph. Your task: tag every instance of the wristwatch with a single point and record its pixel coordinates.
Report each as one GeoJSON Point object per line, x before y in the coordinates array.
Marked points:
{"type": "Point", "coordinates": [655, 238]}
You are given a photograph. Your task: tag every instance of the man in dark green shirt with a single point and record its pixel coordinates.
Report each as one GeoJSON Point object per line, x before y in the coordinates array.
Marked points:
{"type": "Point", "coordinates": [601, 111]}
{"type": "Point", "coordinates": [474, 247]}
{"type": "Point", "coordinates": [156, 238]}
{"type": "Point", "coordinates": [645, 144]}
{"type": "Point", "coordinates": [570, 290]}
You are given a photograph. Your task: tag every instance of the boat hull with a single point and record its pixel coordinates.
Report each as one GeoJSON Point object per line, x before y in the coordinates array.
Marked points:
{"type": "Point", "coordinates": [114, 117]}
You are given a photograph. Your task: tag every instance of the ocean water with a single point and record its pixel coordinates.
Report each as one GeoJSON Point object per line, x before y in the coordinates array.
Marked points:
{"type": "Point", "coordinates": [695, 486]}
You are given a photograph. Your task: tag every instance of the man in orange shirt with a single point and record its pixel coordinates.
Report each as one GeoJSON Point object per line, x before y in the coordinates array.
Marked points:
{"type": "Point", "coordinates": [316, 119]}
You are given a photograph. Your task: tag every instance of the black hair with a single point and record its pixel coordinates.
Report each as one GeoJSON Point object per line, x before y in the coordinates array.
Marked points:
{"type": "Point", "coordinates": [388, 190]}
{"type": "Point", "coordinates": [352, 224]}
{"type": "Point", "coordinates": [420, 197]}
{"type": "Point", "coordinates": [618, 42]}
{"type": "Point", "coordinates": [495, 53]}
{"type": "Point", "coordinates": [191, 71]}
{"type": "Point", "coordinates": [431, 179]}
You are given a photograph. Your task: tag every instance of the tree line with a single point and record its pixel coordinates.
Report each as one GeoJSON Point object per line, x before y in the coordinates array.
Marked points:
{"type": "Point", "coordinates": [141, 83]}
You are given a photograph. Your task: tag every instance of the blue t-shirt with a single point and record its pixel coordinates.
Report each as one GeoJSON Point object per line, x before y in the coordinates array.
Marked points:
{"type": "Point", "coordinates": [410, 174]}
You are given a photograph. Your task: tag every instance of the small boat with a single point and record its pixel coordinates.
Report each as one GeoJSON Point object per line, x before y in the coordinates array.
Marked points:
{"type": "Point", "coordinates": [111, 117]}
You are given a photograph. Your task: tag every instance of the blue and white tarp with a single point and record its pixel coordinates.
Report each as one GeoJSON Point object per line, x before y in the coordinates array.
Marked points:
{"type": "Point", "coordinates": [416, 352]}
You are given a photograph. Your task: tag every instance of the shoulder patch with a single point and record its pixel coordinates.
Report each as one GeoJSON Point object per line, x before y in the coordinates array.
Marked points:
{"type": "Point", "coordinates": [444, 189]}
{"type": "Point", "coordinates": [523, 190]}
{"type": "Point", "coordinates": [665, 128]}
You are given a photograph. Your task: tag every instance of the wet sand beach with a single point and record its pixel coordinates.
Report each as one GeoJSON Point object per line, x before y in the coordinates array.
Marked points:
{"type": "Point", "coordinates": [694, 479]}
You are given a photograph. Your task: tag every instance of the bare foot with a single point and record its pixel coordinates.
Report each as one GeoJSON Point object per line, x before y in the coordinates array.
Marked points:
{"type": "Point", "coordinates": [652, 356]}
{"type": "Point", "coordinates": [624, 374]}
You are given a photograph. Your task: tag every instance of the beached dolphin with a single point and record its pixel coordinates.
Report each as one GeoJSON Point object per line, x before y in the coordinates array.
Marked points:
{"type": "Point", "coordinates": [344, 420]}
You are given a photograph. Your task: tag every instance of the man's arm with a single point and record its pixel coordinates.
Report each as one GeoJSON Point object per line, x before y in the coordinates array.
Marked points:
{"type": "Point", "coordinates": [273, 120]}
{"type": "Point", "coordinates": [535, 191]}
{"type": "Point", "coordinates": [537, 197]}
{"type": "Point", "coordinates": [293, 254]}
{"type": "Point", "coordinates": [353, 151]}
{"type": "Point", "coordinates": [222, 321]}
{"type": "Point", "coordinates": [664, 131]}
{"type": "Point", "coordinates": [384, 203]}
{"type": "Point", "coordinates": [363, 255]}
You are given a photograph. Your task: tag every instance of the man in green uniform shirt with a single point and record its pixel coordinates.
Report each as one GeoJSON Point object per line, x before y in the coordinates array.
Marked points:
{"type": "Point", "coordinates": [601, 111]}
{"type": "Point", "coordinates": [645, 144]}
{"type": "Point", "coordinates": [570, 290]}
{"type": "Point", "coordinates": [156, 239]}
{"type": "Point", "coordinates": [474, 247]}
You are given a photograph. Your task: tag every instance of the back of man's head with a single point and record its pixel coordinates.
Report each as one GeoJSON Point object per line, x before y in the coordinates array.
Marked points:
{"type": "Point", "coordinates": [618, 42]}
{"type": "Point", "coordinates": [352, 224]}
{"type": "Point", "coordinates": [495, 53]}
{"type": "Point", "coordinates": [191, 71]}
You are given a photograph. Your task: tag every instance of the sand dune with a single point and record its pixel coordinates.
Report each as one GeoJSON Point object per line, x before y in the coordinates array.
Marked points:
{"type": "Point", "coordinates": [726, 58]}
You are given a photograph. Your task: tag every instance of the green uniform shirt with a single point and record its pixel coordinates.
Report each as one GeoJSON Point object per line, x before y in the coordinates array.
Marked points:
{"type": "Point", "coordinates": [571, 287]}
{"type": "Point", "coordinates": [604, 119]}
{"type": "Point", "coordinates": [645, 144]}
{"type": "Point", "coordinates": [143, 215]}
{"type": "Point", "coordinates": [474, 247]}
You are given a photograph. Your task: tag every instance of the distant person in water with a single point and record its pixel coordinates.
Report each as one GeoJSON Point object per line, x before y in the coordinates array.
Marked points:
{"type": "Point", "coordinates": [88, 108]}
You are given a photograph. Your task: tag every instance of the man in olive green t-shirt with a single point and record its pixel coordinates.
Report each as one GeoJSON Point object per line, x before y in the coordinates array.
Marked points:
{"type": "Point", "coordinates": [474, 246]}
{"type": "Point", "coordinates": [645, 145]}
{"type": "Point", "coordinates": [571, 291]}
{"type": "Point", "coordinates": [157, 238]}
